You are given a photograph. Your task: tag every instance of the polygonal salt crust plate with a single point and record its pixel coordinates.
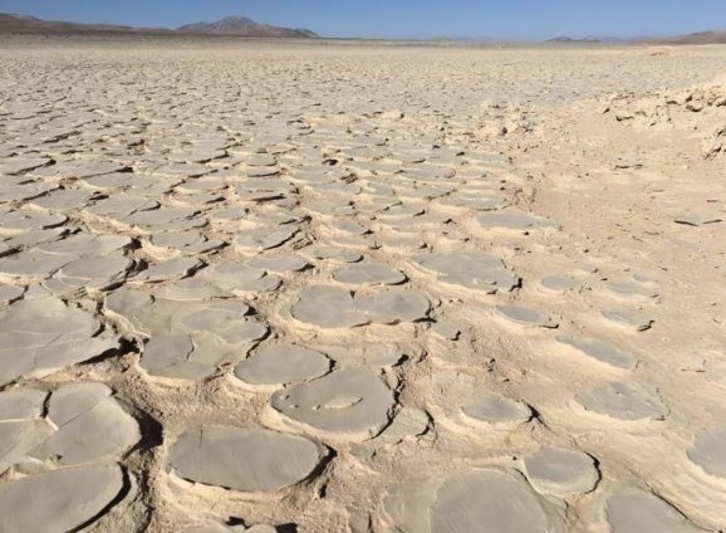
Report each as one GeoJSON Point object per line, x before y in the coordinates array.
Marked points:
{"type": "Point", "coordinates": [401, 211]}
{"type": "Point", "coordinates": [19, 221]}
{"type": "Point", "coordinates": [23, 163]}
{"type": "Point", "coordinates": [358, 242]}
{"type": "Point", "coordinates": [557, 284]}
{"type": "Point", "coordinates": [525, 316]}
{"type": "Point", "coordinates": [208, 183]}
{"type": "Point", "coordinates": [374, 356]}
{"type": "Point", "coordinates": [189, 339]}
{"type": "Point", "coordinates": [402, 243]}
{"type": "Point", "coordinates": [164, 219]}
{"type": "Point", "coordinates": [91, 273]}
{"type": "Point", "coordinates": [84, 424]}
{"type": "Point", "coordinates": [188, 242]}
{"type": "Point", "coordinates": [626, 401]}
{"type": "Point", "coordinates": [122, 204]}
{"type": "Point", "coordinates": [626, 290]}
{"type": "Point", "coordinates": [225, 318]}
{"type": "Point", "coordinates": [368, 273]}
{"type": "Point", "coordinates": [63, 199]}
{"type": "Point", "coordinates": [170, 270]}
{"type": "Point", "coordinates": [245, 460]}
{"type": "Point", "coordinates": [86, 413]}
{"type": "Point", "coordinates": [21, 404]}
{"type": "Point", "coordinates": [394, 306]}
{"type": "Point", "coordinates": [63, 500]}
{"type": "Point", "coordinates": [328, 307]}
{"type": "Point", "coordinates": [331, 307]}
{"type": "Point", "coordinates": [469, 270]}
{"type": "Point", "coordinates": [496, 410]}
{"type": "Point", "coordinates": [278, 264]}
{"type": "Point", "coordinates": [86, 244]}
{"type": "Point", "coordinates": [238, 278]}
{"type": "Point", "coordinates": [274, 366]}
{"type": "Point", "coordinates": [21, 427]}
{"type": "Point", "coordinates": [561, 472]}
{"type": "Point", "coordinates": [344, 225]}
{"type": "Point", "coordinates": [29, 240]}
{"type": "Point", "coordinates": [130, 305]}
{"type": "Point", "coordinates": [627, 320]}
{"type": "Point", "coordinates": [190, 290]}
{"type": "Point", "coordinates": [513, 220]}
{"type": "Point", "coordinates": [81, 169]}
{"type": "Point", "coordinates": [32, 265]}
{"type": "Point", "coordinates": [115, 180]}
{"type": "Point", "coordinates": [476, 202]}
{"type": "Point", "coordinates": [9, 293]}
{"type": "Point", "coordinates": [41, 335]}
{"type": "Point", "coordinates": [197, 356]}
{"type": "Point", "coordinates": [428, 221]}
{"type": "Point", "coordinates": [351, 404]}
{"type": "Point", "coordinates": [600, 351]}
{"type": "Point", "coordinates": [330, 253]}
{"type": "Point", "coordinates": [263, 239]}
{"type": "Point", "coordinates": [477, 500]}
{"type": "Point", "coordinates": [15, 192]}
{"type": "Point", "coordinates": [635, 511]}
{"type": "Point", "coordinates": [709, 452]}
{"type": "Point", "coordinates": [327, 208]}
{"type": "Point", "coordinates": [489, 500]}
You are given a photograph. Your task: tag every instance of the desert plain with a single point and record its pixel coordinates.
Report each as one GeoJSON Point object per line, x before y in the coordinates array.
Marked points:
{"type": "Point", "coordinates": [327, 286]}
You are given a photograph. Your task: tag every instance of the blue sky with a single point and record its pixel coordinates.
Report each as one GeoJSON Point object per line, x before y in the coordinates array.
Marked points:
{"type": "Point", "coordinates": [501, 19]}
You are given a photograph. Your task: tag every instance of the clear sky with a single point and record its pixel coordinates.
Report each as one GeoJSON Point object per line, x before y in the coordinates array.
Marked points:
{"type": "Point", "coordinates": [498, 19]}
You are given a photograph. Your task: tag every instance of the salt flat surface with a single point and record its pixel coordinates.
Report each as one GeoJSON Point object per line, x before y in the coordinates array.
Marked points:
{"type": "Point", "coordinates": [366, 287]}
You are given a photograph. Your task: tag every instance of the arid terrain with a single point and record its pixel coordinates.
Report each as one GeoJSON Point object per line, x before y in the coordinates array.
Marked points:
{"type": "Point", "coordinates": [368, 287]}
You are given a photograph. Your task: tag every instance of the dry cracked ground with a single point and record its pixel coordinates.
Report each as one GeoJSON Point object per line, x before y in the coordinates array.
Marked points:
{"type": "Point", "coordinates": [250, 286]}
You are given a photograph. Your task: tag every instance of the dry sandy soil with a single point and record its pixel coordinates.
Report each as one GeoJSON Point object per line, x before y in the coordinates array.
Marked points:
{"type": "Point", "coordinates": [323, 287]}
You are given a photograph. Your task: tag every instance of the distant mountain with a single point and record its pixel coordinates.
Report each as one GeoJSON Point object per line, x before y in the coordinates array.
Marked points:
{"type": "Point", "coordinates": [703, 37]}
{"type": "Point", "coordinates": [244, 27]}
{"type": "Point", "coordinates": [237, 26]}
{"type": "Point", "coordinates": [13, 23]}
{"type": "Point", "coordinates": [572, 40]}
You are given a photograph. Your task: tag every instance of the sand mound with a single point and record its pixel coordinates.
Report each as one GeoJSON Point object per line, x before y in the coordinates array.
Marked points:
{"type": "Point", "coordinates": [702, 108]}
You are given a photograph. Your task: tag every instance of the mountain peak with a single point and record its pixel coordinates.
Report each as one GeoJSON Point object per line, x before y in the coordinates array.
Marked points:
{"type": "Point", "coordinates": [243, 26]}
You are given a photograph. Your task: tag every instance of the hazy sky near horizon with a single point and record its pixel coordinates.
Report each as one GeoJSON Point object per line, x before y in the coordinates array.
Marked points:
{"type": "Point", "coordinates": [500, 19]}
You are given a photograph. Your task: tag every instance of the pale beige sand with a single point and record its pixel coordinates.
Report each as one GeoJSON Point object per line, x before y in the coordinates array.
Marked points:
{"type": "Point", "coordinates": [361, 287]}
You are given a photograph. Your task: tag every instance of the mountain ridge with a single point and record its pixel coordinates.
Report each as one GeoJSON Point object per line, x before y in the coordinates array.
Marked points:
{"type": "Point", "coordinates": [233, 26]}
{"type": "Point", "coordinates": [702, 37]}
